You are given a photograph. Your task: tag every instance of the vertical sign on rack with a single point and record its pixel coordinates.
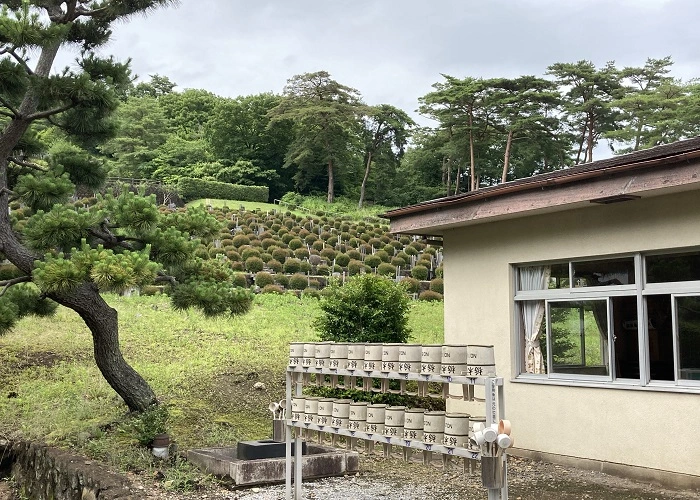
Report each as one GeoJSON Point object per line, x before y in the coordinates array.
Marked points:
{"type": "Point", "coordinates": [491, 401]}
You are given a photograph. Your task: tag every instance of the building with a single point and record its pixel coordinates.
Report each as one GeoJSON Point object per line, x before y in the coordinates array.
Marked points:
{"type": "Point", "coordinates": [587, 282]}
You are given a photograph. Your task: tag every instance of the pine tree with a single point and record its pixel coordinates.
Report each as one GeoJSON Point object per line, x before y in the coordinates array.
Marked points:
{"type": "Point", "coordinates": [68, 254]}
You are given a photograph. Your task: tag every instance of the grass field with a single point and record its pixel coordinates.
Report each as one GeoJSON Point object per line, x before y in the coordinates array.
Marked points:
{"type": "Point", "coordinates": [202, 369]}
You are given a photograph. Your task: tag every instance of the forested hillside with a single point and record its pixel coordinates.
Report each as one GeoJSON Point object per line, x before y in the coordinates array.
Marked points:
{"type": "Point", "coordinates": [318, 136]}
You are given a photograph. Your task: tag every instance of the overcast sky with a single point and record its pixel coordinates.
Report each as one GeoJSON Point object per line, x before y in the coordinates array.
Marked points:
{"type": "Point", "coordinates": [392, 51]}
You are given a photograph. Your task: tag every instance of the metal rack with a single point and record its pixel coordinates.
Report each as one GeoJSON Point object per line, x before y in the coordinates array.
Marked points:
{"type": "Point", "coordinates": [494, 405]}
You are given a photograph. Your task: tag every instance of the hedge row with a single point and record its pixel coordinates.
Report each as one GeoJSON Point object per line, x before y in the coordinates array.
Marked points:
{"type": "Point", "coordinates": [191, 189]}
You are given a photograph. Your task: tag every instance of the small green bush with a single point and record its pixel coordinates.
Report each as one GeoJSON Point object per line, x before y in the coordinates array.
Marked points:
{"type": "Point", "coordinates": [239, 279]}
{"type": "Point", "coordinates": [249, 252]}
{"type": "Point", "coordinates": [318, 245]}
{"type": "Point", "coordinates": [430, 296]}
{"type": "Point", "coordinates": [386, 269]}
{"type": "Point", "coordinates": [372, 261]}
{"type": "Point", "coordinates": [254, 264]}
{"type": "Point", "coordinates": [410, 251]}
{"type": "Point", "coordinates": [354, 267]}
{"type": "Point", "coordinates": [305, 266]}
{"type": "Point", "coordinates": [275, 265]}
{"type": "Point", "coordinates": [329, 254]}
{"type": "Point", "coordinates": [310, 238]}
{"type": "Point", "coordinates": [342, 259]}
{"type": "Point", "coordinates": [383, 255]}
{"type": "Point", "coordinates": [398, 261]}
{"type": "Point", "coordinates": [295, 243]}
{"type": "Point", "coordinates": [272, 289]}
{"type": "Point", "coordinates": [354, 255]}
{"type": "Point", "coordinates": [292, 266]}
{"type": "Point", "coordinates": [282, 279]}
{"type": "Point", "coordinates": [263, 278]}
{"type": "Point", "coordinates": [298, 282]}
{"type": "Point", "coordinates": [323, 270]}
{"type": "Point", "coordinates": [368, 308]}
{"type": "Point", "coordinates": [439, 271]}
{"type": "Point", "coordinates": [280, 254]}
{"type": "Point", "coordinates": [436, 285]}
{"type": "Point", "coordinates": [311, 292]}
{"type": "Point", "coordinates": [301, 253]}
{"type": "Point", "coordinates": [419, 272]}
{"type": "Point", "coordinates": [411, 285]}
{"type": "Point", "coordinates": [239, 240]}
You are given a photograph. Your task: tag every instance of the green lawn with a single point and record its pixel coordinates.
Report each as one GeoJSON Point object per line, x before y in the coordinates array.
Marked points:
{"type": "Point", "coordinates": [203, 369]}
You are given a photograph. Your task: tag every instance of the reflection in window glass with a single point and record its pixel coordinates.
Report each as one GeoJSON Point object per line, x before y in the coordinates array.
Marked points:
{"type": "Point", "coordinates": [673, 267]}
{"type": "Point", "coordinates": [689, 337]}
{"type": "Point", "coordinates": [559, 277]}
{"type": "Point", "coordinates": [604, 272]}
{"type": "Point", "coordinates": [579, 337]}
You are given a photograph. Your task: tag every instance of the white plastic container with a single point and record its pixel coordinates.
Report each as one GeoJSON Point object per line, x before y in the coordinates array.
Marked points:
{"type": "Point", "coordinates": [325, 411]}
{"type": "Point", "coordinates": [339, 356]}
{"type": "Point", "coordinates": [373, 357]}
{"type": "Point", "coordinates": [298, 408]}
{"type": "Point", "coordinates": [323, 354]}
{"type": "Point", "coordinates": [481, 361]}
{"type": "Point", "coordinates": [409, 358]}
{"type": "Point", "coordinates": [433, 427]}
{"type": "Point", "coordinates": [309, 358]}
{"type": "Point", "coordinates": [296, 353]}
{"type": "Point", "coordinates": [390, 357]}
{"type": "Point", "coordinates": [375, 419]}
{"type": "Point", "coordinates": [456, 430]}
{"type": "Point", "coordinates": [413, 424]}
{"type": "Point", "coordinates": [431, 359]}
{"type": "Point", "coordinates": [310, 409]}
{"type": "Point", "coordinates": [454, 360]}
{"type": "Point", "coordinates": [356, 356]}
{"type": "Point", "coordinates": [358, 416]}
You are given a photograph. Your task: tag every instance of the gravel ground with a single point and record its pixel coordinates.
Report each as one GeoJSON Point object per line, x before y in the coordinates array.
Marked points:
{"type": "Point", "coordinates": [392, 478]}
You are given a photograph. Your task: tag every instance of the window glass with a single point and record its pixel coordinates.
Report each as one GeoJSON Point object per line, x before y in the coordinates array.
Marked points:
{"type": "Point", "coordinates": [604, 272]}
{"type": "Point", "coordinates": [689, 337]}
{"type": "Point", "coordinates": [673, 267]}
{"type": "Point", "coordinates": [626, 337]}
{"type": "Point", "coordinates": [660, 332]}
{"type": "Point", "coordinates": [579, 337]}
{"type": "Point", "coordinates": [559, 276]}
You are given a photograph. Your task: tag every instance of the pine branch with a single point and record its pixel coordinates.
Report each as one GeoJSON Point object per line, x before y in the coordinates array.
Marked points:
{"type": "Point", "coordinates": [18, 58]}
{"type": "Point", "coordinates": [8, 283]}
{"type": "Point", "coordinates": [164, 278]}
{"type": "Point", "coordinates": [4, 191]}
{"type": "Point", "coordinates": [51, 112]}
{"type": "Point", "coordinates": [26, 164]}
{"type": "Point", "coordinates": [13, 112]}
{"type": "Point", "coordinates": [110, 240]}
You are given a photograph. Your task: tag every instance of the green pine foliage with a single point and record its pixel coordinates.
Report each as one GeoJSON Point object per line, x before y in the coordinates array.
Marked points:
{"type": "Point", "coordinates": [368, 308]}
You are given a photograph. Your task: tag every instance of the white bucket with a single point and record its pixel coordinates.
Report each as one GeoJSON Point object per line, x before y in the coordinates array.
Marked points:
{"type": "Point", "coordinates": [339, 423]}
{"type": "Point", "coordinates": [433, 427]}
{"type": "Point", "coordinates": [454, 359]}
{"type": "Point", "coordinates": [296, 353]}
{"type": "Point", "coordinates": [393, 431]}
{"type": "Point", "coordinates": [394, 416]}
{"type": "Point", "coordinates": [309, 358]}
{"type": "Point", "coordinates": [358, 416]}
{"type": "Point", "coordinates": [310, 409]}
{"type": "Point", "coordinates": [298, 404]}
{"type": "Point", "coordinates": [373, 357]}
{"type": "Point", "coordinates": [339, 356]}
{"type": "Point", "coordinates": [356, 355]}
{"type": "Point", "coordinates": [456, 429]}
{"type": "Point", "coordinates": [409, 358]}
{"type": "Point", "coordinates": [481, 361]}
{"type": "Point", "coordinates": [341, 408]}
{"type": "Point", "coordinates": [325, 411]}
{"type": "Point", "coordinates": [323, 354]}
{"type": "Point", "coordinates": [390, 357]}
{"type": "Point", "coordinates": [431, 359]}
{"type": "Point", "coordinates": [413, 424]}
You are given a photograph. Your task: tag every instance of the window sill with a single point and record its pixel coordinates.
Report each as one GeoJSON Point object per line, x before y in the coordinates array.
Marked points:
{"type": "Point", "coordinates": [618, 384]}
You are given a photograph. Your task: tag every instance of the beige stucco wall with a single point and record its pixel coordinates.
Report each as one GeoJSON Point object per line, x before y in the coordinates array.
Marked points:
{"type": "Point", "coordinates": [645, 428]}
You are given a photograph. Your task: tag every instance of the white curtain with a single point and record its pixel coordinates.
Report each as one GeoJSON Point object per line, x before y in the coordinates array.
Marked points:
{"type": "Point", "coordinates": [533, 278]}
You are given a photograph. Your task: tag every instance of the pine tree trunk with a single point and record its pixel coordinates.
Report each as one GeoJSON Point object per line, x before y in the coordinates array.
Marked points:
{"type": "Point", "coordinates": [330, 182]}
{"type": "Point", "coordinates": [364, 180]}
{"type": "Point", "coordinates": [472, 168]}
{"type": "Point", "coordinates": [85, 300]}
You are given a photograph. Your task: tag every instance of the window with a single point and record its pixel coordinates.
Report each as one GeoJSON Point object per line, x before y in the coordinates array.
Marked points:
{"type": "Point", "coordinates": [581, 320]}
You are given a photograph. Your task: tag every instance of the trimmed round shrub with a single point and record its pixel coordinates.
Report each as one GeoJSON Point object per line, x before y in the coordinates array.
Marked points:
{"type": "Point", "coordinates": [275, 265]}
{"type": "Point", "coordinates": [263, 278]}
{"type": "Point", "coordinates": [365, 237]}
{"type": "Point", "coordinates": [301, 253]}
{"type": "Point", "coordinates": [305, 266]}
{"type": "Point", "coordinates": [430, 296]}
{"type": "Point", "coordinates": [317, 245]}
{"type": "Point", "coordinates": [436, 285]}
{"type": "Point", "coordinates": [386, 269]}
{"type": "Point", "coordinates": [298, 282]}
{"type": "Point", "coordinates": [282, 279]}
{"type": "Point", "coordinates": [236, 266]}
{"type": "Point", "coordinates": [329, 254]}
{"type": "Point", "coordinates": [233, 255]}
{"type": "Point", "coordinates": [368, 308]}
{"type": "Point", "coordinates": [303, 233]}
{"type": "Point", "coordinates": [354, 242]}
{"type": "Point", "coordinates": [314, 284]}
{"type": "Point", "coordinates": [239, 240]}
{"type": "Point", "coordinates": [272, 288]}
{"type": "Point", "coordinates": [310, 238]}
{"type": "Point", "coordinates": [254, 264]}
{"type": "Point", "coordinates": [396, 244]}
{"type": "Point", "coordinates": [383, 255]}
{"type": "Point", "coordinates": [239, 279]}
{"type": "Point", "coordinates": [266, 257]}
{"type": "Point", "coordinates": [439, 271]}
{"type": "Point", "coordinates": [354, 255]}
{"type": "Point", "coordinates": [372, 261]}
{"type": "Point", "coordinates": [419, 272]}
{"type": "Point", "coordinates": [389, 250]}
{"type": "Point", "coordinates": [287, 237]}
{"type": "Point", "coordinates": [418, 245]}
{"type": "Point", "coordinates": [405, 240]}
{"type": "Point", "coordinates": [249, 252]}
{"type": "Point", "coordinates": [375, 242]}
{"type": "Point", "coordinates": [342, 259]}
{"type": "Point", "coordinates": [404, 256]}
{"type": "Point", "coordinates": [355, 266]}
{"type": "Point", "coordinates": [295, 243]}
{"type": "Point", "coordinates": [412, 285]}
{"type": "Point", "coordinates": [410, 251]}
{"type": "Point", "coordinates": [323, 270]}
{"type": "Point", "coordinates": [430, 250]}
{"type": "Point", "coordinates": [311, 292]}
{"type": "Point", "coordinates": [267, 243]}
{"type": "Point", "coordinates": [398, 261]}
{"type": "Point", "coordinates": [292, 266]}
{"type": "Point", "coordinates": [280, 254]}
{"type": "Point", "coordinates": [213, 252]}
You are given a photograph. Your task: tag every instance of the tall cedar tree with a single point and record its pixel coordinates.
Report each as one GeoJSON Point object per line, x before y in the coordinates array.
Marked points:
{"type": "Point", "coordinates": [67, 254]}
